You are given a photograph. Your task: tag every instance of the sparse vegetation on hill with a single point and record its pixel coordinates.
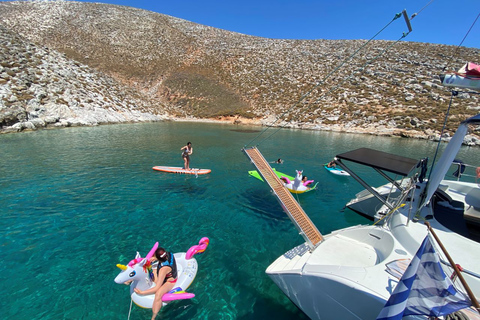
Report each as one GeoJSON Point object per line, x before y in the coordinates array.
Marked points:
{"type": "Point", "coordinates": [193, 70]}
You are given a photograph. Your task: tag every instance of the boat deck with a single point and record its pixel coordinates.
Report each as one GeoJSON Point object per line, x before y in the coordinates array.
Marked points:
{"type": "Point", "coordinates": [359, 254]}
{"type": "Point", "coordinates": [306, 227]}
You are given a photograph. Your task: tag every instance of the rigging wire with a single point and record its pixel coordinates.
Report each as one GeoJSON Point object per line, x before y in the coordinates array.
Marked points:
{"type": "Point", "coordinates": [416, 13]}
{"type": "Point", "coordinates": [398, 15]}
{"type": "Point", "coordinates": [458, 47]}
{"type": "Point", "coordinates": [360, 69]}
{"type": "Point", "coordinates": [454, 93]}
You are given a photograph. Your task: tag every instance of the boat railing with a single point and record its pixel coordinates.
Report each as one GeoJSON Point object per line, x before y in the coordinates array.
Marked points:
{"type": "Point", "coordinates": [469, 272]}
{"type": "Point", "coordinates": [463, 170]}
{"type": "Point", "coordinates": [403, 185]}
{"type": "Point", "coordinates": [400, 201]}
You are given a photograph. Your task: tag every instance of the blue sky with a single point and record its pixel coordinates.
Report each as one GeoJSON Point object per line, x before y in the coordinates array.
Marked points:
{"type": "Point", "coordinates": [438, 21]}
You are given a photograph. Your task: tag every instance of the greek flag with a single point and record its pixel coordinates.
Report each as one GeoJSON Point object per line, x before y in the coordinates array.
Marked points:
{"type": "Point", "coordinates": [424, 289]}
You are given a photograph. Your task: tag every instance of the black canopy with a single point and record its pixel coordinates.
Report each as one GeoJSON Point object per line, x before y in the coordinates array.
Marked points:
{"type": "Point", "coordinates": [380, 160]}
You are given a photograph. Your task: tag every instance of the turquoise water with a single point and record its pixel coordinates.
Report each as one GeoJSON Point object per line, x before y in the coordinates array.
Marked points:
{"type": "Point", "coordinates": [77, 201]}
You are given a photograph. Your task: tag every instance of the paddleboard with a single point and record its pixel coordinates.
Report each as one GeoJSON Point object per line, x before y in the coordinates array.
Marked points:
{"type": "Point", "coordinates": [336, 171]}
{"type": "Point", "coordinates": [181, 170]}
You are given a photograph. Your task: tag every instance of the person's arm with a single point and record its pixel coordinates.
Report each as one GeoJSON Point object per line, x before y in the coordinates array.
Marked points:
{"type": "Point", "coordinates": [191, 151]}
{"type": "Point", "coordinates": [158, 281]}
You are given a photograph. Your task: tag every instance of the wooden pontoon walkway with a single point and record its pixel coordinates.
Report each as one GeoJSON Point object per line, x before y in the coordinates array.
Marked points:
{"type": "Point", "coordinates": [303, 223]}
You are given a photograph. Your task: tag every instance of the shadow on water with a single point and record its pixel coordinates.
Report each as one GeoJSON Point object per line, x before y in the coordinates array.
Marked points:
{"type": "Point", "coordinates": [263, 204]}
{"type": "Point", "coordinates": [182, 189]}
{"type": "Point", "coordinates": [353, 217]}
{"type": "Point", "coordinates": [269, 308]}
{"type": "Point", "coordinates": [267, 304]}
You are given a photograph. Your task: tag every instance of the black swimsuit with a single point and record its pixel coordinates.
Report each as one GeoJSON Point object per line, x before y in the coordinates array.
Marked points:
{"type": "Point", "coordinates": [169, 263]}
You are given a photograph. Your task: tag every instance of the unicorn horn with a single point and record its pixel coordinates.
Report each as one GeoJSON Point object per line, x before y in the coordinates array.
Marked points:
{"type": "Point", "coordinates": [121, 266]}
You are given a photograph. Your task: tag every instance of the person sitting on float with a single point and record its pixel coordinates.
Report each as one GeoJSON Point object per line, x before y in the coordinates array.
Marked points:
{"type": "Point", "coordinates": [165, 278]}
{"type": "Point", "coordinates": [305, 181]}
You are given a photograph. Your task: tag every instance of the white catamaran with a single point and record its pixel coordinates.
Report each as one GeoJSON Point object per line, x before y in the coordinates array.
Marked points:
{"type": "Point", "coordinates": [351, 273]}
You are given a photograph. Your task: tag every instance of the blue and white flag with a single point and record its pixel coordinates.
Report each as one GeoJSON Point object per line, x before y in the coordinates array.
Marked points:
{"type": "Point", "coordinates": [424, 289]}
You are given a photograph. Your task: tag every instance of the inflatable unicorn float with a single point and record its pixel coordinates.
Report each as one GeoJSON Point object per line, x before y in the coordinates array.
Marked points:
{"type": "Point", "coordinates": [140, 272]}
{"type": "Point", "coordinates": [297, 185]}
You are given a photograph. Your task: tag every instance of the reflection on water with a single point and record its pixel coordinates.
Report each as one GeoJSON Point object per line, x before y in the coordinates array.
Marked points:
{"type": "Point", "coordinates": [246, 130]}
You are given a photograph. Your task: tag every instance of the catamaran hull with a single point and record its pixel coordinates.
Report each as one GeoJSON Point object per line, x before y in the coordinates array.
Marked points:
{"type": "Point", "coordinates": [468, 193]}
{"type": "Point", "coordinates": [332, 298]}
{"type": "Point", "coordinates": [366, 204]}
{"type": "Point", "coordinates": [458, 81]}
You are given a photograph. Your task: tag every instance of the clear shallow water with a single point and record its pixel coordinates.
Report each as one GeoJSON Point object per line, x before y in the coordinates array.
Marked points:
{"type": "Point", "coordinates": [75, 202]}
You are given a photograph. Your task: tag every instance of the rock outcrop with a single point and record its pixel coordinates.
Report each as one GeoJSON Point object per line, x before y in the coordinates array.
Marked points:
{"type": "Point", "coordinates": [41, 88]}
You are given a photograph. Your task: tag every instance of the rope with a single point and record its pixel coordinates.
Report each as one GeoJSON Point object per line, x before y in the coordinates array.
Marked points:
{"type": "Point", "coordinates": [129, 311]}
{"type": "Point", "coordinates": [398, 15]}
{"type": "Point", "coordinates": [389, 213]}
{"type": "Point", "coordinates": [457, 315]}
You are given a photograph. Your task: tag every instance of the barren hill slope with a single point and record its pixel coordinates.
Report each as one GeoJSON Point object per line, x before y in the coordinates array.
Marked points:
{"type": "Point", "coordinates": [201, 71]}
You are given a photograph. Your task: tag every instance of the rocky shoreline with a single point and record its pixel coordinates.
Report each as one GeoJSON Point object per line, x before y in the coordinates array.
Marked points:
{"type": "Point", "coordinates": [114, 117]}
{"type": "Point", "coordinates": [470, 140]}
{"type": "Point", "coordinates": [56, 84]}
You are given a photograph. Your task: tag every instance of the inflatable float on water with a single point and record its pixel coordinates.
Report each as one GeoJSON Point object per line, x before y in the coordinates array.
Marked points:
{"type": "Point", "coordinates": [294, 185]}
{"type": "Point", "coordinates": [297, 185]}
{"type": "Point", "coordinates": [140, 272]}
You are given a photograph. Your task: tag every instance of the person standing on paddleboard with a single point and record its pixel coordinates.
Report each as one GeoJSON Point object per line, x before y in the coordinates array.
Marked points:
{"type": "Point", "coordinates": [187, 152]}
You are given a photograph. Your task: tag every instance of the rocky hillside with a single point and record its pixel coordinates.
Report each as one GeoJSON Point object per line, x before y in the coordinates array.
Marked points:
{"type": "Point", "coordinates": [40, 87]}
{"type": "Point", "coordinates": [190, 70]}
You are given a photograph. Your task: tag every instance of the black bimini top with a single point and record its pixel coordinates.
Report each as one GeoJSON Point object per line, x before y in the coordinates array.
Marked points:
{"type": "Point", "coordinates": [380, 160]}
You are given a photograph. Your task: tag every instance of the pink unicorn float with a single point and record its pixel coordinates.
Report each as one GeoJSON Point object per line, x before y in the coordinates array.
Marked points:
{"type": "Point", "coordinates": [298, 185]}
{"type": "Point", "coordinates": [140, 272]}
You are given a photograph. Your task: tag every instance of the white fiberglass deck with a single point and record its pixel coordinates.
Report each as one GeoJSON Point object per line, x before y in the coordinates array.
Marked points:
{"type": "Point", "coordinates": [358, 254]}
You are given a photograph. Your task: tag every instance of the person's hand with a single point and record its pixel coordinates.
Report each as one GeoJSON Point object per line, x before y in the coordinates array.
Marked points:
{"type": "Point", "coordinates": [137, 291]}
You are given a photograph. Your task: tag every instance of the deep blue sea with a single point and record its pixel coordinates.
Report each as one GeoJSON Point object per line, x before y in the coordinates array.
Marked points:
{"type": "Point", "coordinates": [75, 202]}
